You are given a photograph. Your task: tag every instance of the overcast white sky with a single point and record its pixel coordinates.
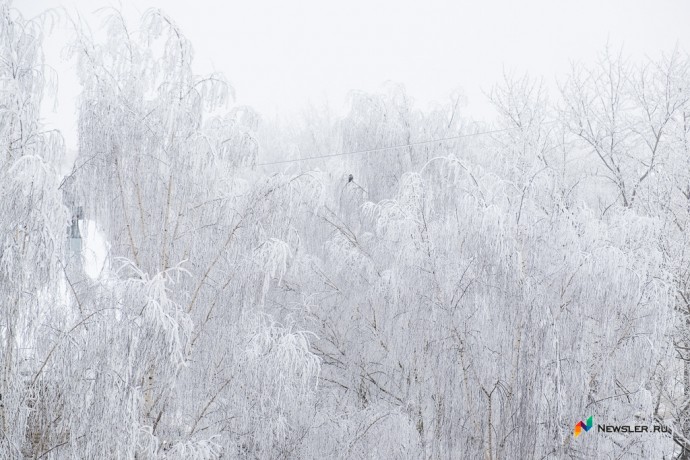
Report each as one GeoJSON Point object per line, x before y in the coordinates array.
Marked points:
{"type": "Point", "coordinates": [281, 55]}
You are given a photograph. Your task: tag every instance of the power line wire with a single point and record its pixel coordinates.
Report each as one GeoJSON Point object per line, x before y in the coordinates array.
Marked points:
{"type": "Point", "coordinates": [393, 147]}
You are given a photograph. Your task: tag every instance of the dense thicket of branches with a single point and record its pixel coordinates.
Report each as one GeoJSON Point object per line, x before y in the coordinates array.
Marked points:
{"type": "Point", "coordinates": [466, 298]}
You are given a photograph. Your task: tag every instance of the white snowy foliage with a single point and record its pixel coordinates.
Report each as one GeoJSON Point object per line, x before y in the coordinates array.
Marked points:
{"type": "Point", "coordinates": [421, 301]}
{"type": "Point", "coordinates": [273, 256]}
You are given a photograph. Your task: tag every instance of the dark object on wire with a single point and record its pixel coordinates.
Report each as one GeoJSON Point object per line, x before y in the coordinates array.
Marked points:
{"type": "Point", "coordinates": [349, 178]}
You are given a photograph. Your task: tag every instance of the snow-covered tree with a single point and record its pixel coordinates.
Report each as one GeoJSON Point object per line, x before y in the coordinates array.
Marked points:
{"type": "Point", "coordinates": [422, 287]}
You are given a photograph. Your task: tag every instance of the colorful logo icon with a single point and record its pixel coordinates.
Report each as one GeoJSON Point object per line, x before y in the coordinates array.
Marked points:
{"type": "Point", "coordinates": [579, 426]}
